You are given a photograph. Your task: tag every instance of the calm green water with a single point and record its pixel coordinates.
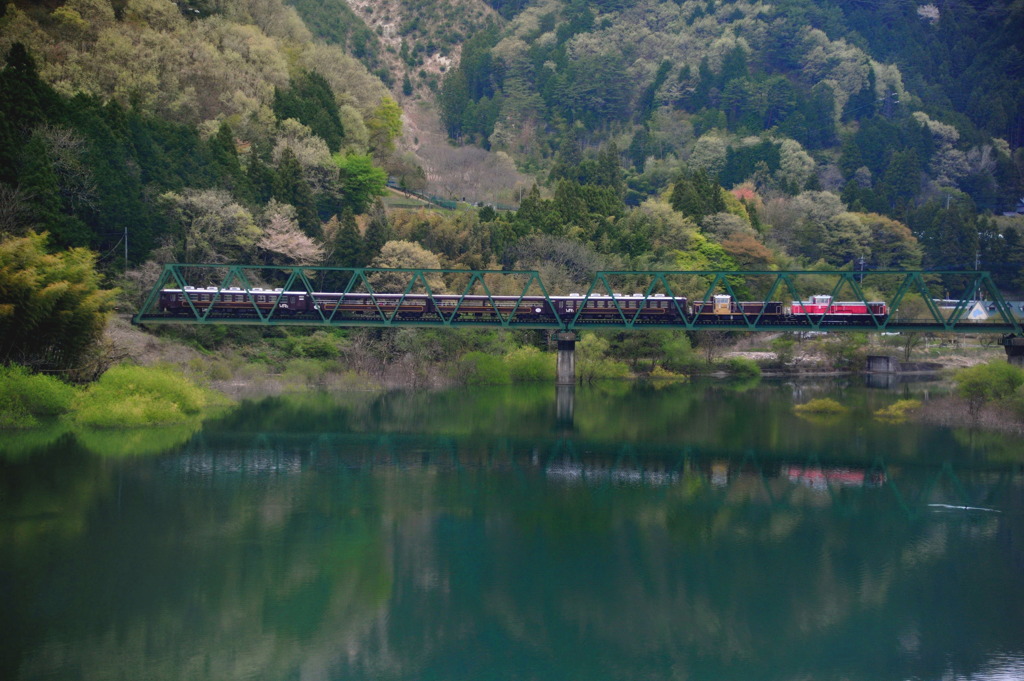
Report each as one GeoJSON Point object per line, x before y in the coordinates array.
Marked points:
{"type": "Point", "coordinates": [687, 532]}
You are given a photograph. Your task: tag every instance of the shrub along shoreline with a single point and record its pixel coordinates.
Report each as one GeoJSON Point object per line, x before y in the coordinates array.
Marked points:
{"type": "Point", "coordinates": [125, 396]}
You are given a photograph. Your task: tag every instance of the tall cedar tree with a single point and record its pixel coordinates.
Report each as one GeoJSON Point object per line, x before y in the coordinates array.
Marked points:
{"type": "Point", "coordinates": [696, 195]}
{"type": "Point", "coordinates": [291, 187]}
{"type": "Point", "coordinates": [349, 248]}
{"type": "Point", "coordinates": [378, 232]}
{"type": "Point", "coordinates": [224, 159]}
{"type": "Point", "coordinates": [26, 102]}
{"type": "Point", "coordinates": [311, 102]}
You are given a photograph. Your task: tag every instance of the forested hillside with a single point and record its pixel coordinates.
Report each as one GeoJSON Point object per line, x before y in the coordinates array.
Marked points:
{"type": "Point", "coordinates": [682, 135]}
{"type": "Point", "coordinates": [205, 131]}
{"type": "Point", "coordinates": [908, 113]}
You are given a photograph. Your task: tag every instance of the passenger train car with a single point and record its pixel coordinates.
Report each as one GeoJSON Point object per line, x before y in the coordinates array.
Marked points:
{"type": "Point", "coordinates": [657, 308]}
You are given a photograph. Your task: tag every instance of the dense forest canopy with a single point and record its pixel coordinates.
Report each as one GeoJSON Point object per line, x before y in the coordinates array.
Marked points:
{"type": "Point", "coordinates": [197, 130]}
{"type": "Point", "coordinates": [662, 134]}
{"type": "Point", "coordinates": [911, 113]}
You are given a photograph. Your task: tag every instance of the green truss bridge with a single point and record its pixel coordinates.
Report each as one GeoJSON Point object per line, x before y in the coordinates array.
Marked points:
{"type": "Point", "coordinates": [874, 301]}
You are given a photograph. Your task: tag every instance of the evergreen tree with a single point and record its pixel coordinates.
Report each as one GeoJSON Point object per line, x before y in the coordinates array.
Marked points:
{"type": "Point", "coordinates": [645, 107]}
{"type": "Point", "coordinates": [863, 104]}
{"type": "Point", "coordinates": [608, 172]}
{"type": "Point", "coordinates": [378, 232]}
{"type": "Point", "coordinates": [696, 195]}
{"type": "Point", "coordinates": [902, 179]}
{"type": "Point", "coordinates": [25, 102]}
{"type": "Point", "coordinates": [310, 101]}
{"type": "Point", "coordinates": [640, 148]}
{"type": "Point", "coordinates": [291, 187]}
{"type": "Point", "coordinates": [349, 249]}
{"type": "Point", "coordinates": [224, 157]}
{"type": "Point", "coordinates": [262, 179]}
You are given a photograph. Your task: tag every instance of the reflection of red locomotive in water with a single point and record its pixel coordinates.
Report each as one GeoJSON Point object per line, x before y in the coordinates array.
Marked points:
{"type": "Point", "coordinates": [234, 302]}
{"type": "Point", "coordinates": [820, 478]}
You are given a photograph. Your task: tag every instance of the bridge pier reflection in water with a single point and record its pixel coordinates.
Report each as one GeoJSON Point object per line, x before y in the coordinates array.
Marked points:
{"type": "Point", "coordinates": [565, 406]}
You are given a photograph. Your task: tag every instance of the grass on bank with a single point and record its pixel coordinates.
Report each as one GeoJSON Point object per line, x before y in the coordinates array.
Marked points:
{"type": "Point", "coordinates": [125, 396]}
{"type": "Point", "coordinates": [129, 396]}
{"type": "Point", "coordinates": [27, 397]}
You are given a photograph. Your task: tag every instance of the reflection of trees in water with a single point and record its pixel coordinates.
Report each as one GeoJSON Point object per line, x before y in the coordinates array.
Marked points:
{"type": "Point", "coordinates": [720, 415]}
{"type": "Point", "coordinates": [587, 578]}
{"type": "Point", "coordinates": [219, 581]}
{"type": "Point", "coordinates": [421, 567]}
{"type": "Point", "coordinates": [296, 539]}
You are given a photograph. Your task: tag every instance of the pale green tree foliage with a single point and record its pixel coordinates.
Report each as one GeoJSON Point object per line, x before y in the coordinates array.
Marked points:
{"type": "Point", "coordinates": [52, 309]}
{"type": "Point", "coordinates": [405, 255]}
{"type": "Point", "coordinates": [312, 153]}
{"type": "Point", "coordinates": [893, 246]}
{"type": "Point", "coordinates": [351, 83]}
{"type": "Point", "coordinates": [663, 228]}
{"type": "Point", "coordinates": [357, 137]}
{"type": "Point", "coordinates": [709, 153]}
{"type": "Point", "coordinates": [796, 166]}
{"type": "Point", "coordinates": [836, 62]}
{"type": "Point", "coordinates": [995, 381]}
{"type": "Point", "coordinates": [161, 15]}
{"type": "Point", "coordinates": [272, 16]}
{"type": "Point", "coordinates": [845, 240]}
{"type": "Point", "coordinates": [223, 66]}
{"type": "Point", "coordinates": [384, 126]}
{"type": "Point", "coordinates": [799, 224]}
{"type": "Point", "coordinates": [212, 227]}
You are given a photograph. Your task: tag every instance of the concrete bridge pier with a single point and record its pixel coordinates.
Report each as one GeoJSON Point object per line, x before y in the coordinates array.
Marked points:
{"type": "Point", "coordinates": [1014, 346]}
{"type": "Point", "coordinates": [565, 366]}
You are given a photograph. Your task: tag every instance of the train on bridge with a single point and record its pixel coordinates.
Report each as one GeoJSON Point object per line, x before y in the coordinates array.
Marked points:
{"type": "Point", "coordinates": [238, 303]}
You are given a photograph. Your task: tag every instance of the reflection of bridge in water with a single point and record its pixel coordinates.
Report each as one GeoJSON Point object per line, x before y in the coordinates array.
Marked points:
{"type": "Point", "coordinates": [703, 476]}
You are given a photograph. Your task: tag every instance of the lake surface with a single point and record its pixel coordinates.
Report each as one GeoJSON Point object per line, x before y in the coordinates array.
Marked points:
{"type": "Point", "coordinates": [632, 532]}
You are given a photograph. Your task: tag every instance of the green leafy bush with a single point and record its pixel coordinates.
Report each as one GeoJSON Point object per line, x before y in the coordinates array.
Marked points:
{"type": "Point", "coordinates": [784, 348]}
{"type": "Point", "coordinates": [478, 368]}
{"type": "Point", "coordinates": [996, 380]}
{"type": "Point", "coordinates": [24, 396]}
{"type": "Point", "coordinates": [317, 345]}
{"type": "Point", "coordinates": [741, 367]}
{"type": "Point", "coordinates": [897, 411]}
{"type": "Point", "coordinates": [601, 369]}
{"type": "Point", "coordinates": [132, 396]}
{"type": "Point", "coordinates": [822, 405]}
{"type": "Point", "coordinates": [663, 374]}
{"type": "Point", "coordinates": [530, 364]}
